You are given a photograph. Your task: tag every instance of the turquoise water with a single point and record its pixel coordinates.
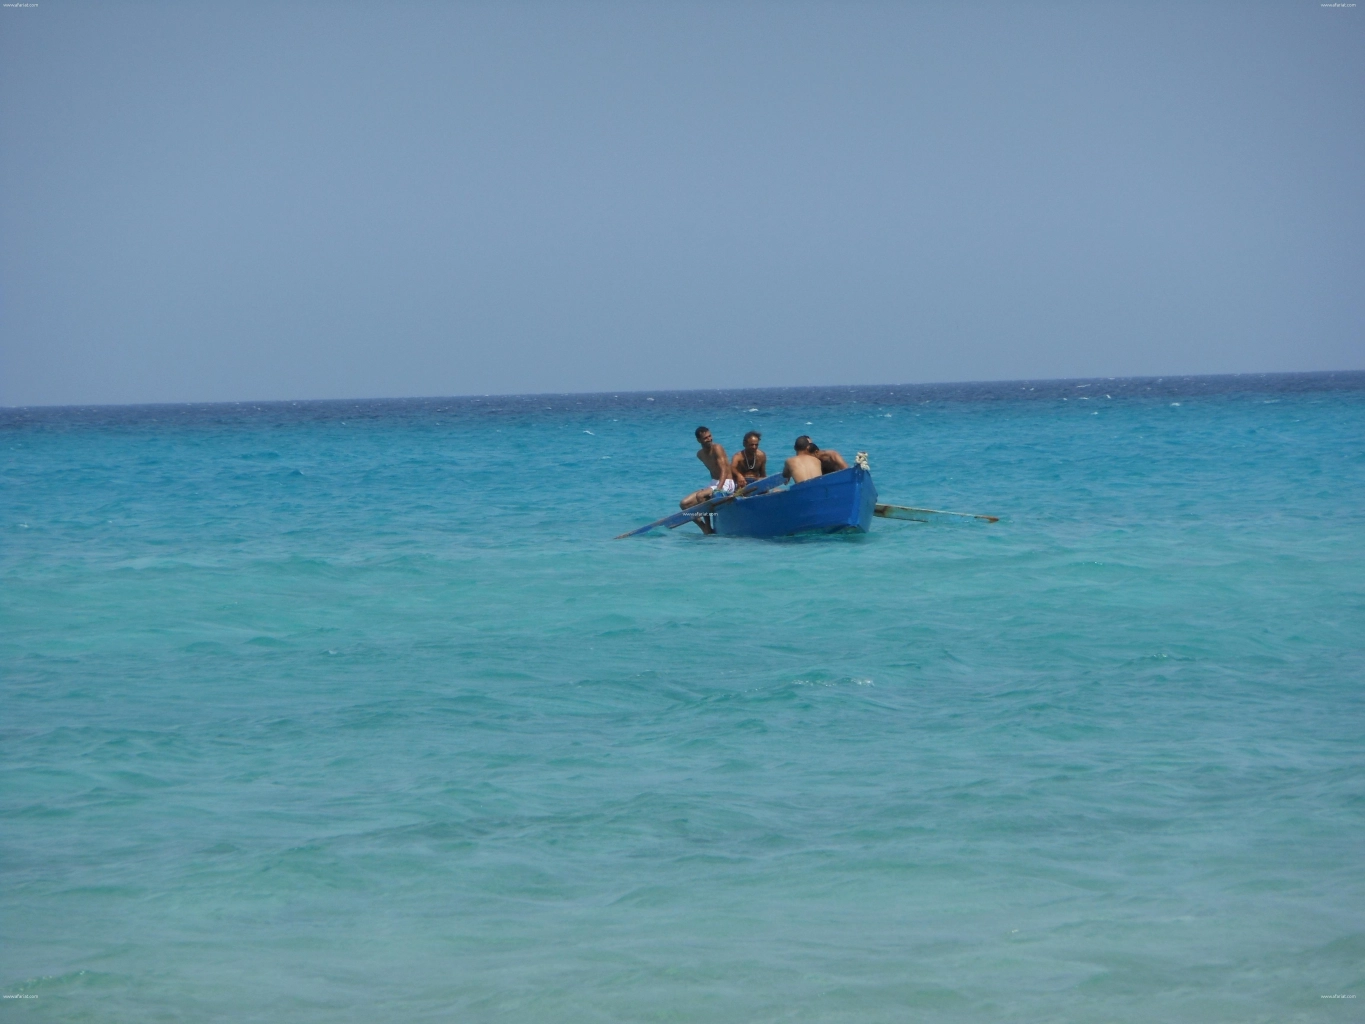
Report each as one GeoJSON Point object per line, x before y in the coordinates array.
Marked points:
{"type": "Point", "coordinates": [356, 712]}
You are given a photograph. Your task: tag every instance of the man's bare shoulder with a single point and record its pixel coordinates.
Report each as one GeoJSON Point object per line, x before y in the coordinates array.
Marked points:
{"type": "Point", "coordinates": [831, 460]}
{"type": "Point", "coordinates": [715, 459]}
{"type": "Point", "coordinates": [801, 468]}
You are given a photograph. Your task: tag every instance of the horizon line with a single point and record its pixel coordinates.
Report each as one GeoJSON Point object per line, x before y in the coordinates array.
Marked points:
{"type": "Point", "coordinates": [670, 391]}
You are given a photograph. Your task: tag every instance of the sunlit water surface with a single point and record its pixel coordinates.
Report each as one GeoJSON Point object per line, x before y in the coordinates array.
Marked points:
{"type": "Point", "coordinates": [356, 712]}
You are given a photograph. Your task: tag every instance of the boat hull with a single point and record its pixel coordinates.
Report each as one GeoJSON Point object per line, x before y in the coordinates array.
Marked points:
{"type": "Point", "coordinates": [841, 502]}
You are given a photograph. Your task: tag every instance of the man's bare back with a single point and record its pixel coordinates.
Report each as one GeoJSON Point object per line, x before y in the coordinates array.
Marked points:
{"type": "Point", "coordinates": [801, 467]}
{"type": "Point", "coordinates": [830, 461]}
{"type": "Point", "coordinates": [810, 462]}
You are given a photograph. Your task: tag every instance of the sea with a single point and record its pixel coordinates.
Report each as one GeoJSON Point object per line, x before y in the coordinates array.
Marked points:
{"type": "Point", "coordinates": [356, 711]}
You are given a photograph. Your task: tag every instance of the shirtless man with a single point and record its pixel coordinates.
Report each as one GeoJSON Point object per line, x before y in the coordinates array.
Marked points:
{"type": "Point", "coordinates": [829, 461]}
{"type": "Point", "coordinates": [713, 458]}
{"type": "Point", "coordinates": [751, 463]}
{"type": "Point", "coordinates": [803, 465]}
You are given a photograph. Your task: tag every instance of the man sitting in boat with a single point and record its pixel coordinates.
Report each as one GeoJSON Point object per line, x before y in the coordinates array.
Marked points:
{"type": "Point", "coordinates": [712, 456]}
{"type": "Point", "coordinates": [751, 462]}
{"type": "Point", "coordinates": [829, 460]}
{"type": "Point", "coordinates": [803, 465]}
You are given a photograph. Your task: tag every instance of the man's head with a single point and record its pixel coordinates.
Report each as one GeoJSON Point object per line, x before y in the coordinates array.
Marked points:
{"type": "Point", "coordinates": [806, 445]}
{"type": "Point", "coordinates": [703, 436]}
{"type": "Point", "coordinates": [751, 440]}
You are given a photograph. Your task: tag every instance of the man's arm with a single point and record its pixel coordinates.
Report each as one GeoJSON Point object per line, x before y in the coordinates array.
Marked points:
{"type": "Point", "coordinates": [831, 461]}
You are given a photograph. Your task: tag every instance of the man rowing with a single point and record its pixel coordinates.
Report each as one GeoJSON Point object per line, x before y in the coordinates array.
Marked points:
{"type": "Point", "coordinates": [712, 456]}
{"type": "Point", "coordinates": [751, 462]}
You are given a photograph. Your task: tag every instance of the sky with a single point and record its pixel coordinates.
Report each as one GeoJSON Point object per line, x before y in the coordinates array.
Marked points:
{"type": "Point", "coordinates": [255, 201]}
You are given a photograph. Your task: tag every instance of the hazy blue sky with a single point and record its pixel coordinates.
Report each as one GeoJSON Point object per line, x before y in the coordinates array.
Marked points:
{"type": "Point", "coordinates": [208, 201]}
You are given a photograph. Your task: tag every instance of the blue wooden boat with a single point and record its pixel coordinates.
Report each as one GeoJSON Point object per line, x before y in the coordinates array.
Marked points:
{"type": "Point", "coordinates": [841, 502]}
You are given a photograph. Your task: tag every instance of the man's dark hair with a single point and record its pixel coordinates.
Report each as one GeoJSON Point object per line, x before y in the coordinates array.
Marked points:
{"type": "Point", "coordinates": [805, 444]}
{"type": "Point", "coordinates": [752, 433]}
{"type": "Point", "coordinates": [699, 431]}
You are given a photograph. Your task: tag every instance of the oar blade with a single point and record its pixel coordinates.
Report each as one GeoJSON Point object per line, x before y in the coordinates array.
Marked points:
{"type": "Point", "coordinates": [676, 519]}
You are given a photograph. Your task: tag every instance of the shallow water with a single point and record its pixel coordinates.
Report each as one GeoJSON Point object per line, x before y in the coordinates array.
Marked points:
{"type": "Point", "coordinates": [354, 711]}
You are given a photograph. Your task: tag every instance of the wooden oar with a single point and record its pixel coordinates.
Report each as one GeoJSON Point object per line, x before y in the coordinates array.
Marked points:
{"type": "Point", "coordinates": [763, 486]}
{"type": "Point", "coordinates": [924, 515]}
{"type": "Point", "coordinates": [690, 515]}
{"type": "Point", "coordinates": [676, 519]}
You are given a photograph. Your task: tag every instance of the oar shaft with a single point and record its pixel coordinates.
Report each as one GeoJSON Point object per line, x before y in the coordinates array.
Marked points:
{"type": "Point", "coordinates": [922, 515]}
{"type": "Point", "coordinates": [768, 483]}
{"type": "Point", "coordinates": [689, 515]}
